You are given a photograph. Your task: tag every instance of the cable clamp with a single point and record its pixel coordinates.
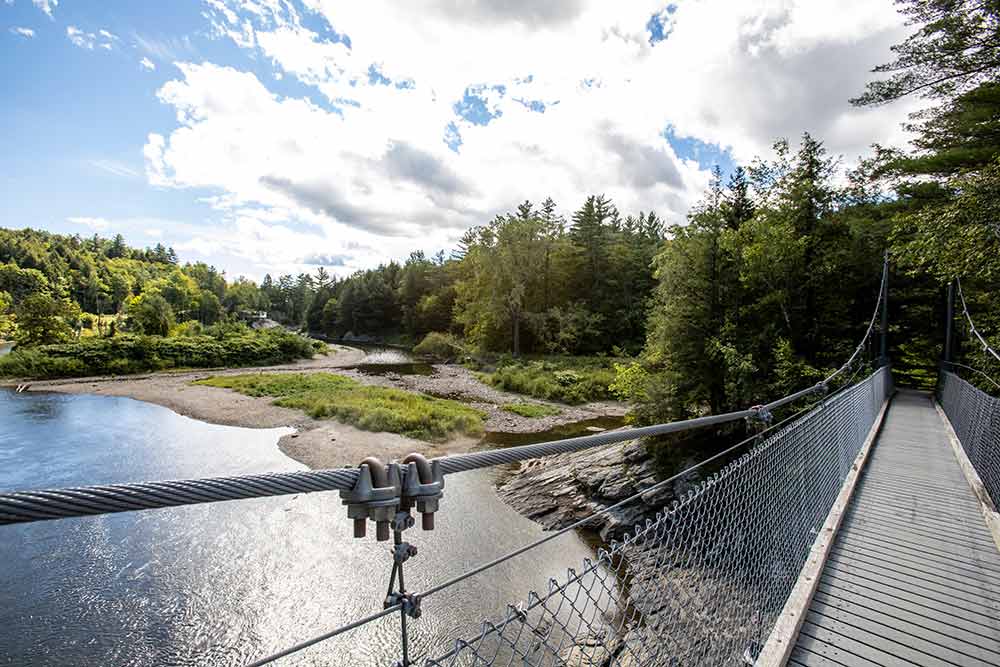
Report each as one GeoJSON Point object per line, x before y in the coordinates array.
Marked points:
{"type": "Point", "coordinates": [408, 601]}
{"type": "Point", "coordinates": [423, 487]}
{"type": "Point", "coordinates": [375, 496]}
{"type": "Point", "coordinates": [759, 414]}
{"type": "Point", "coordinates": [403, 551]}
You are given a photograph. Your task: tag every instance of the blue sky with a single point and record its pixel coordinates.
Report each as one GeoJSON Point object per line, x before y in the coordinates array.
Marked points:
{"type": "Point", "coordinates": [276, 136]}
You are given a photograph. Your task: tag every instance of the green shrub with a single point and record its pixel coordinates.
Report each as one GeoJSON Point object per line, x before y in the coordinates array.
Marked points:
{"type": "Point", "coordinates": [441, 347]}
{"type": "Point", "coordinates": [326, 395]}
{"type": "Point", "coordinates": [137, 354]}
{"type": "Point", "coordinates": [566, 379]}
{"type": "Point", "coordinates": [531, 409]}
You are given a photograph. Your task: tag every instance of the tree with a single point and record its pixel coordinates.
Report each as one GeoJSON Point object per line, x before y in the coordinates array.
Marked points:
{"type": "Point", "coordinates": [43, 320]}
{"type": "Point", "coordinates": [179, 290]}
{"type": "Point", "coordinates": [208, 309]}
{"type": "Point", "coordinates": [503, 259]}
{"type": "Point", "coordinates": [6, 315]}
{"type": "Point", "coordinates": [20, 283]}
{"type": "Point", "coordinates": [151, 314]}
{"type": "Point", "coordinates": [955, 49]}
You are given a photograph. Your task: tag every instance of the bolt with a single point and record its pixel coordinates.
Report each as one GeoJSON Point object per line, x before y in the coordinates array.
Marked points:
{"type": "Point", "coordinates": [427, 521]}
{"type": "Point", "coordinates": [360, 527]}
{"type": "Point", "coordinates": [381, 531]}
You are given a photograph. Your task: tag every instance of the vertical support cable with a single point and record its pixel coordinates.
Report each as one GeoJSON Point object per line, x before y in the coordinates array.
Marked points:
{"type": "Point", "coordinates": [884, 347]}
{"type": "Point", "coordinates": [949, 322]}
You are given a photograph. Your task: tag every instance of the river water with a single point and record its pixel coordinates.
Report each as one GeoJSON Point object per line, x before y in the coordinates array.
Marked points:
{"type": "Point", "coordinates": [225, 583]}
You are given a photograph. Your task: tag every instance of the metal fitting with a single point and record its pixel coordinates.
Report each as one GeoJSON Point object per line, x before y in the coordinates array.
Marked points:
{"type": "Point", "coordinates": [409, 602]}
{"type": "Point", "coordinates": [423, 487]}
{"type": "Point", "coordinates": [402, 552]}
{"type": "Point", "coordinates": [375, 496]}
{"type": "Point", "coordinates": [759, 414]}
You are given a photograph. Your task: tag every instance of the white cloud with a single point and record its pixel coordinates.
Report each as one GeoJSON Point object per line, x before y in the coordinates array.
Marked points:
{"type": "Point", "coordinates": [47, 6]}
{"type": "Point", "coordinates": [23, 32]}
{"type": "Point", "coordinates": [88, 40]}
{"type": "Point", "coordinates": [97, 224]}
{"type": "Point", "coordinates": [376, 171]}
{"type": "Point", "coordinates": [147, 64]}
{"type": "Point", "coordinates": [116, 168]}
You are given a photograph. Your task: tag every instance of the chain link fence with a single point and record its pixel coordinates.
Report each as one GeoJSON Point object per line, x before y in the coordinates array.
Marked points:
{"type": "Point", "coordinates": [703, 583]}
{"type": "Point", "coordinates": [975, 416]}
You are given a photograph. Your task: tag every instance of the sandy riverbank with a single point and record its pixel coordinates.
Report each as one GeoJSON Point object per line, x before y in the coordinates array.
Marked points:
{"type": "Point", "coordinates": [327, 443]}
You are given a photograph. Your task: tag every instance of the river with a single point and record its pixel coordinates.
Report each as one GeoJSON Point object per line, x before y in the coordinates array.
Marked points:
{"type": "Point", "coordinates": [225, 583]}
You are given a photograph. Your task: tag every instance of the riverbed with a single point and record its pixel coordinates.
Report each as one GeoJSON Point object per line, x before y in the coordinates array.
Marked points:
{"type": "Point", "coordinates": [222, 584]}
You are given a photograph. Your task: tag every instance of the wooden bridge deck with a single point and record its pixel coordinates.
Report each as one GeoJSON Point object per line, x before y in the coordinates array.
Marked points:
{"type": "Point", "coordinates": [913, 577]}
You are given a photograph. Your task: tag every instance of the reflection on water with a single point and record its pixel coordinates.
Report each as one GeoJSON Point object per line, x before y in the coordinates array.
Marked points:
{"type": "Point", "coordinates": [220, 584]}
{"type": "Point", "coordinates": [385, 360]}
{"type": "Point", "coordinates": [571, 430]}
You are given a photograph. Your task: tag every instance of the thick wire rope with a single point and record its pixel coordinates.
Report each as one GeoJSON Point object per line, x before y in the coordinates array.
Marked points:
{"type": "Point", "coordinates": [972, 325]}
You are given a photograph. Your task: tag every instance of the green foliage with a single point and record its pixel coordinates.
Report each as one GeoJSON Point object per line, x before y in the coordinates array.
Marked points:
{"type": "Point", "coordinates": [151, 314]}
{"type": "Point", "coordinates": [43, 319]}
{"type": "Point", "coordinates": [438, 346]}
{"type": "Point", "coordinates": [630, 383]}
{"type": "Point", "coordinates": [955, 48]}
{"type": "Point", "coordinates": [958, 235]}
{"type": "Point", "coordinates": [768, 286]}
{"type": "Point", "coordinates": [570, 380]}
{"type": "Point", "coordinates": [129, 353]}
{"type": "Point", "coordinates": [6, 316]}
{"type": "Point", "coordinates": [532, 410]}
{"type": "Point", "coordinates": [325, 395]}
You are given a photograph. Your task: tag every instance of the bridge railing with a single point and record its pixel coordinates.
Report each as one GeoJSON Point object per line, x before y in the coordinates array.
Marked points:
{"type": "Point", "coordinates": [975, 416]}
{"type": "Point", "coordinates": [704, 582]}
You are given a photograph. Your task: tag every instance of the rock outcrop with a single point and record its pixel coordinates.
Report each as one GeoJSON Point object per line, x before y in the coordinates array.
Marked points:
{"type": "Point", "coordinates": [557, 491]}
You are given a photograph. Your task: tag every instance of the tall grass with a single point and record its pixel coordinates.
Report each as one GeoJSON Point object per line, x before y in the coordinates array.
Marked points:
{"type": "Point", "coordinates": [326, 395]}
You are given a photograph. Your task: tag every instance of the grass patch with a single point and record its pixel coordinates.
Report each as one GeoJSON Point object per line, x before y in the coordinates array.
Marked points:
{"type": "Point", "coordinates": [567, 379]}
{"type": "Point", "coordinates": [531, 409]}
{"type": "Point", "coordinates": [326, 395]}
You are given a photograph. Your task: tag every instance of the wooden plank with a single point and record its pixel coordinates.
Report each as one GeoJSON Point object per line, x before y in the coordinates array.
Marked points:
{"type": "Point", "coordinates": [960, 583]}
{"type": "Point", "coordinates": [933, 547]}
{"type": "Point", "coordinates": [913, 636]}
{"type": "Point", "coordinates": [923, 513]}
{"type": "Point", "coordinates": [962, 549]}
{"type": "Point", "coordinates": [921, 561]}
{"type": "Point", "coordinates": [985, 647]}
{"type": "Point", "coordinates": [803, 657]}
{"type": "Point", "coordinates": [861, 652]}
{"type": "Point", "coordinates": [873, 596]}
{"type": "Point", "coordinates": [922, 593]}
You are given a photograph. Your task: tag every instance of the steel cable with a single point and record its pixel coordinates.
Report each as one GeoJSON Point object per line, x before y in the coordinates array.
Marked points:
{"type": "Point", "coordinates": [972, 325]}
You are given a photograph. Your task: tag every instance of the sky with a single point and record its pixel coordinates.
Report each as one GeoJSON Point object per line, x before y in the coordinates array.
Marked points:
{"type": "Point", "coordinates": [277, 136]}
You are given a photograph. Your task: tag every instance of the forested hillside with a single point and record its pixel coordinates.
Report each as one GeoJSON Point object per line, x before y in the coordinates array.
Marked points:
{"type": "Point", "coordinates": [79, 306]}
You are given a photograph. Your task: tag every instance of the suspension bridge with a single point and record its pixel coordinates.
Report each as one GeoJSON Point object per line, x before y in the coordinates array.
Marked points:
{"type": "Point", "coordinates": [861, 529]}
